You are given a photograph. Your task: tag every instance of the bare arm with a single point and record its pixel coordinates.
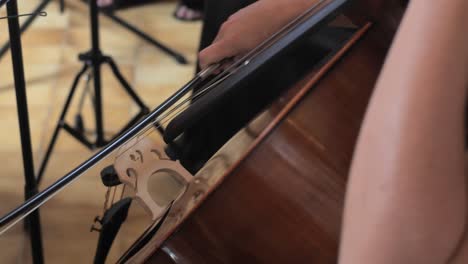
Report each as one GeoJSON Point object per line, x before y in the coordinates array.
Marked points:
{"type": "Point", "coordinates": [406, 197]}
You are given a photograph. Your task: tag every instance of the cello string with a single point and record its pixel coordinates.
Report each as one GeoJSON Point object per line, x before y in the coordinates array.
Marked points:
{"type": "Point", "coordinates": [12, 218]}
{"type": "Point", "coordinates": [220, 77]}
{"type": "Point", "coordinates": [113, 195]}
{"type": "Point", "coordinates": [35, 202]}
{"type": "Point", "coordinates": [183, 105]}
{"type": "Point", "coordinates": [123, 191]}
{"type": "Point", "coordinates": [246, 58]}
{"type": "Point", "coordinates": [171, 113]}
{"type": "Point", "coordinates": [106, 201]}
{"type": "Point", "coordinates": [229, 70]}
{"type": "Point", "coordinates": [271, 40]}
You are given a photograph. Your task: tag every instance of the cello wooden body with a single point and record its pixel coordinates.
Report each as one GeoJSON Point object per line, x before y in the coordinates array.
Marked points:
{"type": "Point", "coordinates": [282, 202]}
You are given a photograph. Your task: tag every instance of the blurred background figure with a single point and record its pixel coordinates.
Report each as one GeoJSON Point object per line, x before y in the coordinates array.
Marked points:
{"type": "Point", "coordinates": [189, 10]}
{"type": "Point", "coordinates": [186, 10]}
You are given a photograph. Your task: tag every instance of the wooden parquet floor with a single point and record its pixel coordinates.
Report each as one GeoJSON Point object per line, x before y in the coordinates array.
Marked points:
{"type": "Point", "coordinates": [51, 47]}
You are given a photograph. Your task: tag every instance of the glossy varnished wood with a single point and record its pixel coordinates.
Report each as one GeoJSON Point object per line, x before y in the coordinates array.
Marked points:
{"type": "Point", "coordinates": [283, 204]}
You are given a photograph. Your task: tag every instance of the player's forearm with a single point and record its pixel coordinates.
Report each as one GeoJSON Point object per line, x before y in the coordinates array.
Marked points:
{"type": "Point", "coordinates": [406, 197]}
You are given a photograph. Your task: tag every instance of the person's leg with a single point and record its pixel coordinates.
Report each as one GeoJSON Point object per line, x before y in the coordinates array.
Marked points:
{"type": "Point", "coordinates": [406, 199]}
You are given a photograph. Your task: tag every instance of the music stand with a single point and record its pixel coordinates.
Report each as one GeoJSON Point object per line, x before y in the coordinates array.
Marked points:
{"type": "Point", "coordinates": [156, 43]}
{"type": "Point", "coordinates": [33, 221]}
{"type": "Point", "coordinates": [92, 60]}
{"type": "Point", "coordinates": [29, 20]}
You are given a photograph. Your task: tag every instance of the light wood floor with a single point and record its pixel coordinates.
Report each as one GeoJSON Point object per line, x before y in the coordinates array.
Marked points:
{"type": "Point", "coordinates": [51, 47]}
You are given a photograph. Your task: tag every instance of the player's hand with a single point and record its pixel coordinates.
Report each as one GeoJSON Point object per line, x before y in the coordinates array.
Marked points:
{"type": "Point", "coordinates": [245, 30]}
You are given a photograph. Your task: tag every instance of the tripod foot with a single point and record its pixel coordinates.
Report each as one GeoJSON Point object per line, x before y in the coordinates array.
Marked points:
{"type": "Point", "coordinates": [180, 59]}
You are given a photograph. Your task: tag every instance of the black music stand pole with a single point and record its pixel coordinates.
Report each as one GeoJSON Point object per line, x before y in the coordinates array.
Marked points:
{"type": "Point", "coordinates": [32, 221]}
{"type": "Point", "coordinates": [92, 62]}
{"type": "Point", "coordinates": [156, 43]}
{"type": "Point", "coordinates": [133, 29]}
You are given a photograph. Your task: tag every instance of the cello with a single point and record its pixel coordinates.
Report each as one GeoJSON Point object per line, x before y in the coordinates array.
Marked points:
{"type": "Point", "coordinates": [279, 198]}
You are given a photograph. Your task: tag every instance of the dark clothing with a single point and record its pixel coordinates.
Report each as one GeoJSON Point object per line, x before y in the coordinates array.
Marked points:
{"type": "Point", "coordinates": [193, 4]}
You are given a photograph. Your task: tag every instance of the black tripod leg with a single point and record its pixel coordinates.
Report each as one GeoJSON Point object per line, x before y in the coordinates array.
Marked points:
{"type": "Point", "coordinates": [177, 56]}
{"type": "Point", "coordinates": [126, 85]}
{"type": "Point", "coordinates": [60, 123]}
{"type": "Point", "coordinates": [143, 108]}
